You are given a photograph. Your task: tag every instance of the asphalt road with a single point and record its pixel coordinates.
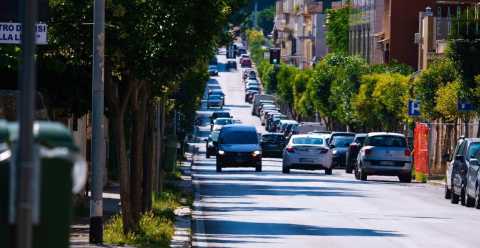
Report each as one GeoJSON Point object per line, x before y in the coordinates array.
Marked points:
{"type": "Point", "coordinates": [241, 208]}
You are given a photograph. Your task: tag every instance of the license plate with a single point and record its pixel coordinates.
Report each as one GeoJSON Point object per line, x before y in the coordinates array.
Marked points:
{"type": "Point", "coordinates": [388, 163]}
{"type": "Point", "coordinates": [306, 160]}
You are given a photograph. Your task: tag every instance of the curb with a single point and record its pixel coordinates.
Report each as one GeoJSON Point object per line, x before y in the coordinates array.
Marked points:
{"type": "Point", "coordinates": [182, 238]}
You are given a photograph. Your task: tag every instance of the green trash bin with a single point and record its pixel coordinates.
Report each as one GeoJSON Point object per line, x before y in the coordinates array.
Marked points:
{"type": "Point", "coordinates": [62, 171]}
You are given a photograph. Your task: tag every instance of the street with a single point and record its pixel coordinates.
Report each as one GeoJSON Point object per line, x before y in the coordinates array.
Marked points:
{"type": "Point", "coordinates": [242, 208]}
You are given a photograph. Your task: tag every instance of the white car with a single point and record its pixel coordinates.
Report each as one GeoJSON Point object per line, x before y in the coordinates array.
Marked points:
{"type": "Point", "coordinates": [307, 152]}
{"type": "Point", "coordinates": [220, 122]}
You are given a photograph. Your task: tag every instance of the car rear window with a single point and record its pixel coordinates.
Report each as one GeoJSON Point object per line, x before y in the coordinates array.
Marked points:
{"type": "Point", "coordinates": [307, 141]}
{"type": "Point", "coordinates": [215, 97]}
{"type": "Point", "coordinates": [342, 141]}
{"type": "Point", "coordinates": [220, 115]}
{"type": "Point", "coordinates": [474, 151]}
{"type": "Point", "coordinates": [273, 138]}
{"type": "Point", "coordinates": [387, 141]}
{"type": "Point", "coordinates": [239, 137]}
{"type": "Point", "coordinates": [223, 121]}
{"type": "Point", "coordinates": [360, 140]}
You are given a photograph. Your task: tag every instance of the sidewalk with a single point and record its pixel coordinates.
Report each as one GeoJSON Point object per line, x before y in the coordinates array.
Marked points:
{"type": "Point", "coordinates": [79, 236]}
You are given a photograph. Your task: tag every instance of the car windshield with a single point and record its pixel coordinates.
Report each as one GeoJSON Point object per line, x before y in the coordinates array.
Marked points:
{"type": "Point", "coordinates": [342, 141]}
{"type": "Point", "coordinates": [214, 136]}
{"type": "Point", "coordinates": [272, 138]}
{"type": "Point", "coordinates": [474, 151]}
{"type": "Point", "coordinates": [307, 141]}
{"type": "Point", "coordinates": [215, 97]}
{"type": "Point", "coordinates": [223, 121]}
{"type": "Point", "coordinates": [387, 141]}
{"type": "Point", "coordinates": [240, 137]}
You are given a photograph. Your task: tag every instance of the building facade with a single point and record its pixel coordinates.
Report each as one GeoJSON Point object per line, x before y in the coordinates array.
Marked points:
{"type": "Point", "coordinates": [299, 30]}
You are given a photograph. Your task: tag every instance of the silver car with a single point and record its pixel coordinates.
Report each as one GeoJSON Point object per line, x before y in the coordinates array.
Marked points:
{"type": "Point", "coordinates": [385, 154]}
{"type": "Point", "coordinates": [307, 152]}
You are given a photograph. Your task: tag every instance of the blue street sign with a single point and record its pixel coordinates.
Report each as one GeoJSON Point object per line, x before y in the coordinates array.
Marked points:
{"type": "Point", "coordinates": [413, 108]}
{"type": "Point", "coordinates": [465, 106]}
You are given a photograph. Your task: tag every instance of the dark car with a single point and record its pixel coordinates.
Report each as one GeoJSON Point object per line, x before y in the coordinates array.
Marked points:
{"type": "Point", "coordinates": [273, 144]}
{"type": "Point", "coordinates": [246, 63]}
{"type": "Point", "coordinates": [464, 176]}
{"type": "Point", "coordinates": [231, 64]}
{"type": "Point", "coordinates": [212, 70]}
{"type": "Point", "coordinates": [212, 144]}
{"type": "Point", "coordinates": [250, 94]}
{"type": "Point", "coordinates": [219, 114]}
{"type": "Point", "coordinates": [352, 151]}
{"type": "Point", "coordinates": [339, 142]}
{"type": "Point", "coordinates": [214, 101]}
{"type": "Point", "coordinates": [238, 146]}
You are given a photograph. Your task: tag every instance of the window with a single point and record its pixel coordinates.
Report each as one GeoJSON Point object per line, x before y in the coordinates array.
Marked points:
{"type": "Point", "coordinates": [342, 141]}
{"type": "Point", "coordinates": [307, 141]}
{"type": "Point", "coordinates": [239, 137]}
{"type": "Point", "coordinates": [387, 141]}
{"type": "Point", "coordinates": [474, 151]}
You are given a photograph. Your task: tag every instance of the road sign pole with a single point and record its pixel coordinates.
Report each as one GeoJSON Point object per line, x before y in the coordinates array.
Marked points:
{"type": "Point", "coordinates": [26, 101]}
{"type": "Point", "coordinates": [98, 146]}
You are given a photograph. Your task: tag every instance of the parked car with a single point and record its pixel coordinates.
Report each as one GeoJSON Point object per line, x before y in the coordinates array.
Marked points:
{"type": "Point", "coordinates": [212, 144]}
{"type": "Point", "coordinates": [352, 151]}
{"type": "Point", "coordinates": [212, 70]}
{"type": "Point", "coordinates": [384, 154]}
{"type": "Point", "coordinates": [215, 101]}
{"type": "Point", "coordinates": [465, 173]}
{"type": "Point", "coordinates": [217, 92]}
{"type": "Point", "coordinates": [450, 162]}
{"type": "Point", "coordinates": [252, 87]}
{"type": "Point", "coordinates": [231, 64]}
{"type": "Point", "coordinates": [273, 120]}
{"type": "Point", "coordinates": [238, 146]}
{"type": "Point", "coordinates": [339, 142]}
{"type": "Point", "coordinates": [219, 114]}
{"type": "Point", "coordinates": [219, 123]}
{"type": "Point", "coordinates": [246, 63]}
{"type": "Point", "coordinates": [249, 73]}
{"type": "Point", "coordinates": [282, 126]}
{"type": "Point", "coordinates": [307, 152]}
{"type": "Point", "coordinates": [250, 94]}
{"type": "Point", "coordinates": [308, 127]}
{"type": "Point", "coordinates": [259, 99]}
{"type": "Point", "coordinates": [273, 144]}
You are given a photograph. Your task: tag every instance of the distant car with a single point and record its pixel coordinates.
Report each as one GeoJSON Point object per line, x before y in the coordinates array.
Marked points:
{"type": "Point", "coordinates": [275, 122]}
{"type": "Point", "coordinates": [252, 87]}
{"type": "Point", "coordinates": [219, 123]}
{"type": "Point", "coordinates": [249, 74]}
{"type": "Point", "coordinates": [246, 63]}
{"type": "Point", "coordinates": [384, 154]}
{"type": "Point", "coordinates": [273, 144]}
{"type": "Point", "coordinates": [250, 94]}
{"type": "Point", "coordinates": [339, 142]}
{"type": "Point", "coordinates": [258, 100]}
{"type": "Point", "coordinates": [212, 70]}
{"type": "Point", "coordinates": [308, 127]}
{"type": "Point", "coordinates": [238, 146]}
{"type": "Point", "coordinates": [231, 64]}
{"type": "Point", "coordinates": [212, 143]}
{"type": "Point", "coordinates": [242, 51]}
{"type": "Point", "coordinates": [308, 152]}
{"type": "Point", "coordinates": [215, 101]}
{"type": "Point", "coordinates": [219, 114]}
{"type": "Point", "coordinates": [282, 126]}
{"type": "Point", "coordinates": [465, 173]}
{"type": "Point", "coordinates": [352, 151]}
{"type": "Point", "coordinates": [217, 92]}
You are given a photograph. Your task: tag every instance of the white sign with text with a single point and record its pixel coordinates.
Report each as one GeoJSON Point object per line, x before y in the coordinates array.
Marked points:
{"type": "Point", "coordinates": [11, 33]}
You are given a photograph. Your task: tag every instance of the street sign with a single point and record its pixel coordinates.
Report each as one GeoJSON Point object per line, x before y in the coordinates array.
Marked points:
{"type": "Point", "coordinates": [413, 108]}
{"type": "Point", "coordinates": [275, 54]}
{"type": "Point", "coordinates": [11, 33]}
{"type": "Point", "coordinates": [465, 106]}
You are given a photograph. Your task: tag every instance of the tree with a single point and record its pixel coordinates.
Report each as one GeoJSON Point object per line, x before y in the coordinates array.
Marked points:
{"type": "Point", "coordinates": [337, 29]}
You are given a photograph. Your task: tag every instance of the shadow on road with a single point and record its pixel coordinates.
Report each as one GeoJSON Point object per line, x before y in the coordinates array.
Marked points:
{"type": "Point", "coordinates": [227, 227]}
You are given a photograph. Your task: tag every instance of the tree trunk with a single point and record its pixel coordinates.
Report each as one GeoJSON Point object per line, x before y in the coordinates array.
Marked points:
{"type": "Point", "coordinates": [149, 163]}
{"type": "Point", "coordinates": [138, 103]}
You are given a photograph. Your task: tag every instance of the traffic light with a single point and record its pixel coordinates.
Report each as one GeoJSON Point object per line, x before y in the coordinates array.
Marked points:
{"type": "Point", "coordinates": [275, 56]}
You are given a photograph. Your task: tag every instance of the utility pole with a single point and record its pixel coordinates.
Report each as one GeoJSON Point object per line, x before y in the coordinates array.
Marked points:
{"type": "Point", "coordinates": [98, 145]}
{"type": "Point", "coordinates": [26, 115]}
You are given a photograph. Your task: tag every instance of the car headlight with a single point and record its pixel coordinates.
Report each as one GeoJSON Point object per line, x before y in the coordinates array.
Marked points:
{"type": "Point", "coordinates": [221, 152]}
{"type": "Point", "coordinates": [256, 153]}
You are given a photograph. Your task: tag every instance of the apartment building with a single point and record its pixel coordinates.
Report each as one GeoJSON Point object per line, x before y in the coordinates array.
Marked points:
{"type": "Point", "coordinates": [382, 31]}
{"type": "Point", "coordinates": [438, 22]}
{"type": "Point", "coordinates": [300, 30]}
